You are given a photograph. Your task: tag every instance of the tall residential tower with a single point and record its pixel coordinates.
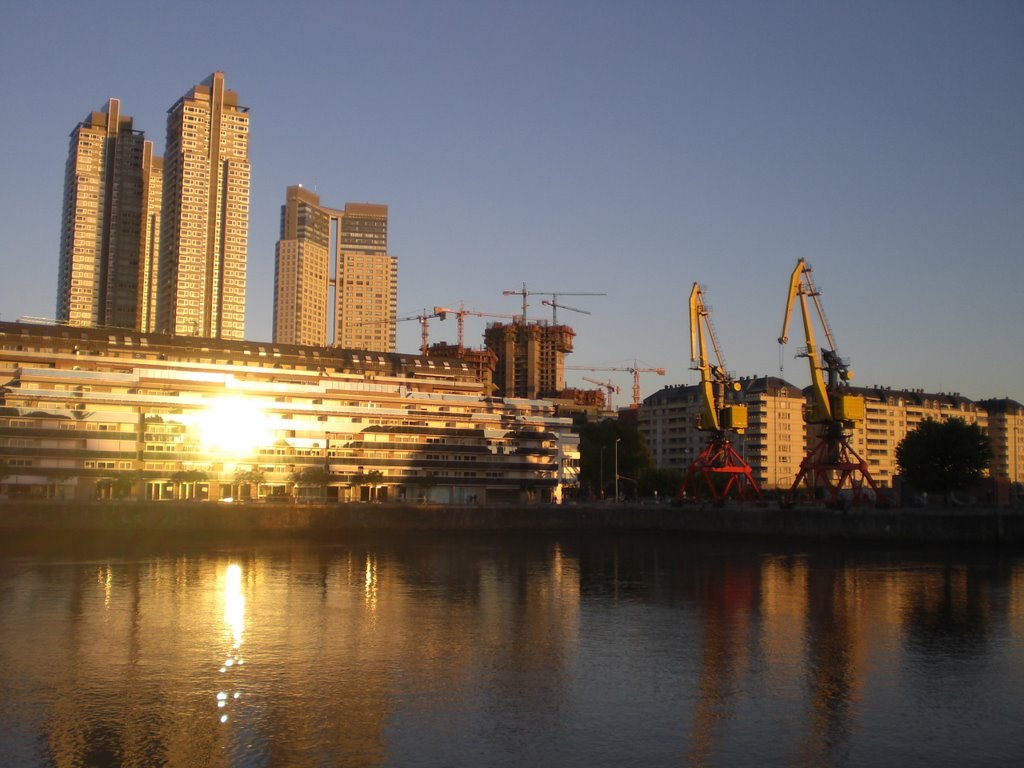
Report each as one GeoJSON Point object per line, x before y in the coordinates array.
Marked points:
{"type": "Point", "coordinates": [323, 248]}
{"type": "Point", "coordinates": [366, 285]}
{"type": "Point", "coordinates": [101, 249]}
{"type": "Point", "coordinates": [205, 223]}
{"type": "Point", "coordinates": [301, 269]}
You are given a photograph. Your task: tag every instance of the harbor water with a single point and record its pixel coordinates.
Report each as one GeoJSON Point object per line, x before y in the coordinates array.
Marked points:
{"type": "Point", "coordinates": [530, 649]}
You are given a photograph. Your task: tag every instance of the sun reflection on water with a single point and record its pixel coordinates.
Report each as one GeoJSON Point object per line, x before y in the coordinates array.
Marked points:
{"type": "Point", "coordinates": [234, 617]}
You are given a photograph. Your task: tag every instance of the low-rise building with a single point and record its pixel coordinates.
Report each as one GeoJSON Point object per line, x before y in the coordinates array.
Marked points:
{"type": "Point", "coordinates": [773, 444]}
{"type": "Point", "coordinates": [777, 438]}
{"type": "Point", "coordinates": [87, 410]}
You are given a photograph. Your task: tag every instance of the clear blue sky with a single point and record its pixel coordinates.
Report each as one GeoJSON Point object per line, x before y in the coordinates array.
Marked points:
{"type": "Point", "coordinates": [590, 146]}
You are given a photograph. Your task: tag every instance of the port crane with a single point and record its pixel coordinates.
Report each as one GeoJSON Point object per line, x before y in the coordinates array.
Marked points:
{"type": "Point", "coordinates": [609, 386]}
{"type": "Point", "coordinates": [718, 470]}
{"type": "Point", "coordinates": [832, 464]}
{"type": "Point", "coordinates": [554, 299]}
{"type": "Point", "coordinates": [633, 370]}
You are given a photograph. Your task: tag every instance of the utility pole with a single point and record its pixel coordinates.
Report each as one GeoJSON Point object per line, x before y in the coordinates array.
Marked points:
{"type": "Point", "coordinates": [617, 439]}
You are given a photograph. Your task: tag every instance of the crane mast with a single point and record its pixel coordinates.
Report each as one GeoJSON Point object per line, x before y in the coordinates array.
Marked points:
{"type": "Point", "coordinates": [832, 465]}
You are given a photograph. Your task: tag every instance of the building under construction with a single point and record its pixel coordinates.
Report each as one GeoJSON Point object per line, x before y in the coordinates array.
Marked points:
{"type": "Point", "coordinates": [530, 358]}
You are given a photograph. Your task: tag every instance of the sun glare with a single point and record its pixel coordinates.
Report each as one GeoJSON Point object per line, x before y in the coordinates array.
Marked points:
{"type": "Point", "coordinates": [233, 425]}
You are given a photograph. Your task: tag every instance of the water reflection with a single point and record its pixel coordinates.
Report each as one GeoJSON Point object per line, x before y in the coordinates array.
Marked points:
{"type": "Point", "coordinates": [510, 651]}
{"type": "Point", "coordinates": [234, 617]}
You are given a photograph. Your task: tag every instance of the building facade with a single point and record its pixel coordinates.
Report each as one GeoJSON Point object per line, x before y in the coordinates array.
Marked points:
{"type": "Point", "coordinates": [334, 281]}
{"type": "Point", "coordinates": [86, 411]}
{"type": "Point", "coordinates": [778, 438]}
{"type": "Point", "coordinates": [149, 261]}
{"type": "Point", "coordinates": [773, 444]}
{"type": "Point", "coordinates": [101, 250]}
{"type": "Point", "coordinates": [889, 414]}
{"type": "Point", "coordinates": [366, 284]}
{"type": "Point", "coordinates": [302, 270]}
{"type": "Point", "coordinates": [205, 217]}
{"type": "Point", "coordinates": [1006, 428]}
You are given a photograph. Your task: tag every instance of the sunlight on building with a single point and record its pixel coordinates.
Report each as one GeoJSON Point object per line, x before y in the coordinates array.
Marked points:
{"type": "Point", "coordinates": [233, 425]}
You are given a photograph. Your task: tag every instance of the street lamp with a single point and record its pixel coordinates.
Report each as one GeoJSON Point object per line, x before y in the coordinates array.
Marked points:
{"type": "Point", "coordinates": [600, 487]}
{"type": "Point", "coordinates": [617, 439]}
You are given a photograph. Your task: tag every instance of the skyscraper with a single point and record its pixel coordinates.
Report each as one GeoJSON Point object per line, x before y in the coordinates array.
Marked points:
{"type": "Point", "coordinates": [301, 269]}
{"type": "Point", "coordinates": [149, 260]}
{"type": "Point", "coordinates": [100, 246]}
{"type": "Point", "coordinates": [366, 285]}
{"type": "Point", "coordinates": [205, 223]}
{"type": "Point", "coordinates": [321, 248]}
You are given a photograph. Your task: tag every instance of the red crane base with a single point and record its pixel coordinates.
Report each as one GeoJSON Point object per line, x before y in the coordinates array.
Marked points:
{"type": "Point", "coordinates": [719, 472]}
{"type": "Point", "coordinates": [832, 466]}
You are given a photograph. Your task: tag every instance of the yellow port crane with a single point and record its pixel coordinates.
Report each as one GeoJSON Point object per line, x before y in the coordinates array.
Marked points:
{"type": "Point", "coordinates": [832, 464]}
{"type": "Point", "coordinates": [718, 471]}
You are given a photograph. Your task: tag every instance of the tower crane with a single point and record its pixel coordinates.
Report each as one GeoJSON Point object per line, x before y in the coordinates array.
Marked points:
{"type": "Point", "coordinates": [460, 317]}
{"type": "Point", "coordinates": [424, 319]}
{"type": "Point", "coordinates": [553, 303]}
{"type": "Point", "coordinates": [553, 294]}
{"type": "Point", "coordinates": [610, 387]}
{"type": "Point", "coordinates": [832, 464]}
{"type": "Point", "coordinates": [633, 370]}
{"type": "Point", "coordinates": [718, 469]}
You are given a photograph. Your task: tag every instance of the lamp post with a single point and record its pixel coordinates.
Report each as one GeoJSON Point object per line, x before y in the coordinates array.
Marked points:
{"type": "Point", "coordinates": [617, 439]}
{"type": "Point", "coordinates": [600, 487]}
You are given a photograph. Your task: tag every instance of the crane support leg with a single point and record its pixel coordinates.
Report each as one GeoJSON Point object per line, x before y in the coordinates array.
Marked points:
{"type": "Point", "coordinates": [719, 473]}
{"type": "Point", "coordinates": [831, 467]}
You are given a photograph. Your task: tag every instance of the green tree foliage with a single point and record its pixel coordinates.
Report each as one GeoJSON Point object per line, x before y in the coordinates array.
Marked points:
{"type": "Point", "coordinates": [944, 456]}
{"type": "Point", "coordinates": [317, 477]}
{"type": "Point", "coordinates": [662, 482]}
{"type": "Point", "coordinates": [597, 457]}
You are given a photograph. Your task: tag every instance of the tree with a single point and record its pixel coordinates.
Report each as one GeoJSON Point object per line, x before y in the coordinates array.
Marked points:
{"type": "Point", "coordinates": [248, 477]}
{"type": "Point", "coordinates": [312, 477]}
{"type": "Point", "coordinates": [944, 456]}
{"type": "Point", "coordinates": [598, 452]}
{"type": "Point", "coordinates": [662, 482]}
{"type": "Point", "coordinates": [118, 486]}
{"type": "Point", "coordinates": [373, 478]}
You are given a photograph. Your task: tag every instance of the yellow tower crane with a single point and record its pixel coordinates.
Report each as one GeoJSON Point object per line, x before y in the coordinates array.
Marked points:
{"type": "Point", "coordinates": [832, 464]}
{"type": "Point", "coordinates": [719, 471]}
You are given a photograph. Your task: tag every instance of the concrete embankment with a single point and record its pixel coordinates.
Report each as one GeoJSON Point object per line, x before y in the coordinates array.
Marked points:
{"type": "Point", "coordinates": [926, 525]}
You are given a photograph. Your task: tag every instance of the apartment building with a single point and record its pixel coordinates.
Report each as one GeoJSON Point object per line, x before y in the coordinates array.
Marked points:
{"type": "Point", "coordinates": [102, 244]}
{"type": "Point", "coordinates": [778, 438]}
{"type": "Point", "coordinates": [773, 444]}
{"type": "Point", "coordinates": [301, 270]}
{"type": "Point", "coordinates": [84, 409]}
{"type": "Point", "coordinates": [366, 284]}
{"type": "Point", "coordinates": [341, 251]}
{"type": "Point", "coordinates": [889, 414]}
{"type": "Point", "coordinates": [205, 216]}
{"type": "Point", "coordinates": [1006, 428]}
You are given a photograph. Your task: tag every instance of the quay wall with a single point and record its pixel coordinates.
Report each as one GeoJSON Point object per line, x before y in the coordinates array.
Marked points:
{"type": "Point", "coordinates": [933, 524]}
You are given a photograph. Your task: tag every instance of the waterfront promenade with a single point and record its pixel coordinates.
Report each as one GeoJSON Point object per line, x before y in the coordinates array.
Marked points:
{"type": "Point", "coordinates": [932, 524]}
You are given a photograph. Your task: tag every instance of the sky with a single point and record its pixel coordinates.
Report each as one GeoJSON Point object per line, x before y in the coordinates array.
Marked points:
{"type": "Point", "coordinates": [585, 146]}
